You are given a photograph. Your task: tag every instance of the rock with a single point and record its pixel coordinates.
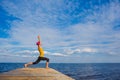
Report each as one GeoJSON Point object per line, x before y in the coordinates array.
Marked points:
{"type": "Point", "coordinates": [34, 74]}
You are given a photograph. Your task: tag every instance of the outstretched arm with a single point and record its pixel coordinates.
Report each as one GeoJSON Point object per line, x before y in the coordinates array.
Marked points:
{"type": "Point", "coordinates": [38, 43]}
{"type": "Point", "coordinates": [38, 37]}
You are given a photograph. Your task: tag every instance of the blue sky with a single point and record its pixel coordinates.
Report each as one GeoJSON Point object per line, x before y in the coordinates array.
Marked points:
{"type": "Point", "coordinates": [77, 31]}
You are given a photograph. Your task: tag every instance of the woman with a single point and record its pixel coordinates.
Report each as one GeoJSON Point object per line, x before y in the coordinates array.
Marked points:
{"type": "Point", "coordinates": [41, 56]}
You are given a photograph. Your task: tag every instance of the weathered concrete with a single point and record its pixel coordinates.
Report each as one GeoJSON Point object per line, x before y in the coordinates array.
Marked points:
{"type": "Point", "coordinates": [34, 74]}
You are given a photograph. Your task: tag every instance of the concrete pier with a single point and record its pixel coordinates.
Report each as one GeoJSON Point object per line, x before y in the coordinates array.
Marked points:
{"type": "Point", "coordinates": [34, 74]}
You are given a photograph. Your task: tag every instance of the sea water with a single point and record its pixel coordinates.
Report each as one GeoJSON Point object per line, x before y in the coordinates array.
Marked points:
{"type": "Point", "coordinates": [78, 71]}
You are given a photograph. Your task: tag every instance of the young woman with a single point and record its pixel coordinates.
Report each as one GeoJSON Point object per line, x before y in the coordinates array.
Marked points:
{"type": "Point", "coordinates": [41, 56]}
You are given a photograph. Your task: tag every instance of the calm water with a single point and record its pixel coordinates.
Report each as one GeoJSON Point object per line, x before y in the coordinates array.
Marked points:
{"type": "Point", "coordinates": [78, 71]}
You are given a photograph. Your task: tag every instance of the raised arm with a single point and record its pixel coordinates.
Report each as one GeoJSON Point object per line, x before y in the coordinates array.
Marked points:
{"type": "Point", "coordinates": [38, 43]}
{"type": "Point", "coordinates": [38, 37]}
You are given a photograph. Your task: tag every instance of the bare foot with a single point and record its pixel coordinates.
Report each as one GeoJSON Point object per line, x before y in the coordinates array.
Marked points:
{"type": "Point", "coordinates": [25, 65]}
{"type": "Point", "coordinates": [47, 67]}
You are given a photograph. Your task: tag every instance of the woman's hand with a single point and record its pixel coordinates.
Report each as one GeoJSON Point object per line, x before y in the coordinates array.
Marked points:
{"type": "Point", "coordinates": [38, 37]}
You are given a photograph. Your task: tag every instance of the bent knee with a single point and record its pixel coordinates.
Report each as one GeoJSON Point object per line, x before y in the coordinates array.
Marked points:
{"type": "Point", "coordinates": [47, 60]}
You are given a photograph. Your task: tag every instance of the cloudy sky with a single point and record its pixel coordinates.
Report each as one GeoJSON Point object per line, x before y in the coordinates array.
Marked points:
{"type": "Point", "coordinates": [71, 31]}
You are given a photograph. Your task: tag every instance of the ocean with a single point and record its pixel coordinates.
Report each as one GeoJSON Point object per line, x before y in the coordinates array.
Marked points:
{"type": "Point", "coordinates": [78, 71]}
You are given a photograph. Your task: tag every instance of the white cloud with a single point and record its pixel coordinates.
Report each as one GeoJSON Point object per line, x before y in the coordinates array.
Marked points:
{"type": "Point", "coordinates": [29, 52]}
{"type": "Point", "coordinates": [58, 54]}
{"type": "Point", "coordinates": [89, 50]}
{"type": "Point", "coordinates": [55, 54]}
{"type": "Point", "coordinates": [78, 50]}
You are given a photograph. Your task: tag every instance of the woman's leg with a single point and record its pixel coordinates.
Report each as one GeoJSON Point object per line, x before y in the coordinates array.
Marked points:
{"type": "Point", "coordinates": [26, 65]}
{"type": "Point", "coordinates": [30, 63]}
{"type": "Point", "coordinates": [47, 64]}
{"type": "Point", "coordinates": [47, 61]}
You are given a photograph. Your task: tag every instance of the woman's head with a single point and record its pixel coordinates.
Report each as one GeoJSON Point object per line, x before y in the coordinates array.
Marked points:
{"type": "Point", "coordinates": [38, 43]}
